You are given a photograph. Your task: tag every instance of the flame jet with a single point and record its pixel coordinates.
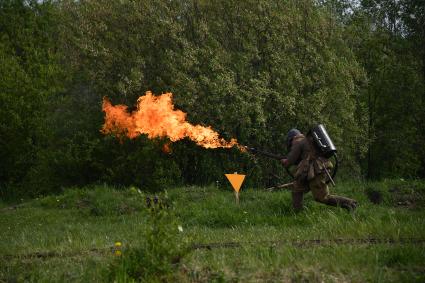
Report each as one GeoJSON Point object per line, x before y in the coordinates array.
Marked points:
{"type": "Point", "coordinates": [156, 117]}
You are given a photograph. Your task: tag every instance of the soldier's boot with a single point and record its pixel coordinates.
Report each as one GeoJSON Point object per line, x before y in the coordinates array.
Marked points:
{"type": "Point", "coordinates": [297, 201]}
{"type": "Point", "coordinates": [347, 203]}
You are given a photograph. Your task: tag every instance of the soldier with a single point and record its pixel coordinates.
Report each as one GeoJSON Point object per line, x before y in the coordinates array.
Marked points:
{"type": "Point", "coordinates": [310, 173]}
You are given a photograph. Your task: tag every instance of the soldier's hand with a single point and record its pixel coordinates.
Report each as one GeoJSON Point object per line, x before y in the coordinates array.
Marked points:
{"type": "Point", "coordinates": [284, 162]}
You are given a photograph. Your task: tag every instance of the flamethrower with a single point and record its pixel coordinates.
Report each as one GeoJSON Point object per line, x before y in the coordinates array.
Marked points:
{"type": "Point", "coordinates": [323, 144]}
{"type": "Point", "coordinates": [256, 151]}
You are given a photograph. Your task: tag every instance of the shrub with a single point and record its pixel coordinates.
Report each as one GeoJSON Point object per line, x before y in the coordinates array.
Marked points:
{"type": "Point", "coordinates": [156, 259]}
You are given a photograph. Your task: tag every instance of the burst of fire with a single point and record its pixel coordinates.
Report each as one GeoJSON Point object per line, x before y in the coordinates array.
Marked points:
{"type": "Point", "coordinates": [155, 116]}
{"type": "Point", "coordinates": [166, 148]}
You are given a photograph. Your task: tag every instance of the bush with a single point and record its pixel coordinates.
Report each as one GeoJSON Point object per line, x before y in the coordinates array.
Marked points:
{"type": "Point", "coordinates": [159, 254]}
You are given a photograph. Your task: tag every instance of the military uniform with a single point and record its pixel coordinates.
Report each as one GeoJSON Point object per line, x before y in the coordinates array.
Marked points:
{"type": "Point", "coordinates": [310, 175]}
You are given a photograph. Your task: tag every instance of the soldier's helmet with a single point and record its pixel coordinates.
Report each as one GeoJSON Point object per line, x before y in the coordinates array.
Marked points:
{"type": "Point", "coordinates": [290, 136]}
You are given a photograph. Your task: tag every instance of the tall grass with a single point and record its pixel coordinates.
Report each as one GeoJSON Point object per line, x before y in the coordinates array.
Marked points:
{"type": "Point", "coordinates": [70, 237]}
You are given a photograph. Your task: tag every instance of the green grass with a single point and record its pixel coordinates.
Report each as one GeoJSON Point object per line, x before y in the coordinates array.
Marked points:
{"type": "Point", "coordinates": [70, 237]}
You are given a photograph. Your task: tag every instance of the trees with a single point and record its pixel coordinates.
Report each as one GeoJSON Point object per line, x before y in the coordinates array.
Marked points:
{"type": "Point", "coordinates": [386, 43]}
{"type": "Point", "coordinates": [250, 69]}
{"type": "Point", "coordinates": [30, 74]}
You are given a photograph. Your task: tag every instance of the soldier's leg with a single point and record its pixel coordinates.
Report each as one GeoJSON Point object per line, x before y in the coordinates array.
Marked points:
{"type": "Point", "coordinates": [298, 195]}
{"type": "Point", "coordinates": [320, 192]}
{"type": "Point", "coordinates": [347, 203]}
{"type": "Point", "coordinates": [319, 189]}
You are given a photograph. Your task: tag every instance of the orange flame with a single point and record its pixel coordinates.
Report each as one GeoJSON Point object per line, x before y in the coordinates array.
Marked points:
{"type": "Point", "coordinates": [166, 148]}
{"type": "Point", "coordinates": [156, 117]}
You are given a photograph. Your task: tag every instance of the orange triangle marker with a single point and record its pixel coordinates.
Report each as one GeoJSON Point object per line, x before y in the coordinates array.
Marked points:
{"type": "Point", "coordinates": [236, 180]}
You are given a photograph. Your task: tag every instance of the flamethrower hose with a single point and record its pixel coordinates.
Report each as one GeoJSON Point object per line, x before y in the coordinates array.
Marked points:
{"type": "Point", "coordinates": [335, 167]}
{"type": "Point", "coordinates": [289, 173]}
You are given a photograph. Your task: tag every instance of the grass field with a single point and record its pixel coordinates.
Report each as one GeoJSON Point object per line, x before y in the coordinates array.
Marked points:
{"type": "Point", "coordinates": [201, 235]}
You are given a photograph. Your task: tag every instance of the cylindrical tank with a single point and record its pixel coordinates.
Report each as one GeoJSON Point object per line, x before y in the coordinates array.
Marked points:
{"type": "Point", "coordinates": [322, 141]}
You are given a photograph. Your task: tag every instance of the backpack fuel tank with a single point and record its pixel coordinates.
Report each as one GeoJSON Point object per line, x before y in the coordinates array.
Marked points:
{"type": "Point", "coordinates": [322, 141]}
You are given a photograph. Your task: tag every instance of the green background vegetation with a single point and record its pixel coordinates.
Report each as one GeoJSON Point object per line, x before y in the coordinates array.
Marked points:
{"type": "Point", "coordinates": [250, 69]}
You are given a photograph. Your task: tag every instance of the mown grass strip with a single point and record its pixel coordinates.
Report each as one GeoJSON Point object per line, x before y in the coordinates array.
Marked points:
{"type": "Point", "coordinates": [52, 254]}
{"type": "Point", "coordinates": [217, 245]}
{"type": "Point", "coordinates": [313, 242]}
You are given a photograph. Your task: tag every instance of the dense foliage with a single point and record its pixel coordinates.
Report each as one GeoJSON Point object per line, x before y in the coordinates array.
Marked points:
{"type": "Point", "coordinates": [250, 69]}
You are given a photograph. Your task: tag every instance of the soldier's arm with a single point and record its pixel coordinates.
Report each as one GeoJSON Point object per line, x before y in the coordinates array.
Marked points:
{"type": "Point", "coordinates": [293, 155]}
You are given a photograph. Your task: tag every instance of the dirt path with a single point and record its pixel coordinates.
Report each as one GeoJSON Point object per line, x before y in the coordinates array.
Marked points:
{"type": "Point", "coordinates": [210, 246]}
{"type": "Point", "coordinates": [313, 242]}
